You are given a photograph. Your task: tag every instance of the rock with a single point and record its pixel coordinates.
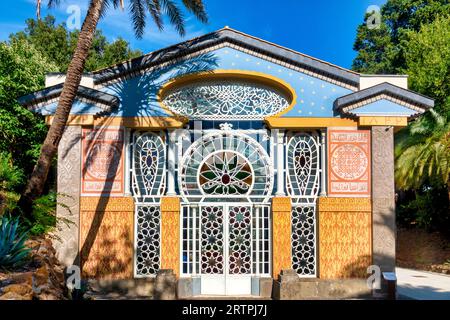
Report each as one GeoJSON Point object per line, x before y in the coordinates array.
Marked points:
{"type": "Point", "coordinates": [15, 296]}
{"type": "Point", "coordinates": [24, 278]}
{"type": "Point", "coordinates": [21, 289]}
{"type": "Point", "coordinates": [42, 278]}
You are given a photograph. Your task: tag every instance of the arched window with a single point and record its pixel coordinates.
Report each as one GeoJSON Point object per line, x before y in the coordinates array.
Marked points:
{"type": "Point", "coordinates": [303, 171]}
{"type": "Point", "coordinates": [303, 165]}
{"type": "Point", "coordinates": [149, 165]}
{"type": "Point", "coordinates": [227, 96]}
{"type": "Point", "coordinates": [225, 164]}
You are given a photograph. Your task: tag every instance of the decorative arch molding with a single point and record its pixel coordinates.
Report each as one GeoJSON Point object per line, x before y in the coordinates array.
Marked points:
{"type": "Point", "coordinates": [227, 94]}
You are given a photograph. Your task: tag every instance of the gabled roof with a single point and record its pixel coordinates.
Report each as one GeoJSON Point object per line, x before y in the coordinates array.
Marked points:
{"type": "Point", "coordinates": [227, 35]}
{"type": "Point", "coordinates": [108, 101]}
{"type": "Point", "coordinates": [410, 98]}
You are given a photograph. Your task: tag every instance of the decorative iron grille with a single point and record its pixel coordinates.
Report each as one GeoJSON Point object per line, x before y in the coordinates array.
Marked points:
{"type": "Point", "coordinates": [147, 237]}
{"type": "Point", "coordinates": [225, 164]}
{"type": "Point", "coordinates": [225, 99]}
{"type": "Point", "coordinates": [303, 174]}
{"type": "Point", "coordinates": [240, 240]}
{"type": "Point", "coordinates": [212, 260]}
{"type": "Point", "coordinates": [303, 239]}
{"type": "Point", "coordinates": [303, 165]}
{"type": "Point", "coordinates": [149, 165]}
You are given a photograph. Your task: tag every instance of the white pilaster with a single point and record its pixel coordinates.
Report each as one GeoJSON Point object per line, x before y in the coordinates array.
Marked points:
{"type": "Point", "coordinates": [171, 163]}
{"type": "Point", "coordinates": [280, 162]}
{"type": "Point", "coordinates": [323, 163]}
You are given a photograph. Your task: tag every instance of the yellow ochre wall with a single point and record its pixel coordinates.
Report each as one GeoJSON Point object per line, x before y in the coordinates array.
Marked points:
{"type": "Point", "coordinates": [106, 237]}
{"type": "Point", "coordinates": [345, 237]}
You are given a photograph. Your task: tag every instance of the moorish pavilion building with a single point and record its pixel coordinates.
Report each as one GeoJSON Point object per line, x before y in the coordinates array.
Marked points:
{"type": "Point", "coordinates": [243, 167]}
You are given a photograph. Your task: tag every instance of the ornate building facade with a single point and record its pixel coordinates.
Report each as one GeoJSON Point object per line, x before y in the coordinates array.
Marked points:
{"type": "Point", "coordinates": [228, 159]}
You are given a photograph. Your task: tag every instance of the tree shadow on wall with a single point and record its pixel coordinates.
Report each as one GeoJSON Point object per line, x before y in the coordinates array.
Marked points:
{"type": "Point", "coordinates": [138, 95]}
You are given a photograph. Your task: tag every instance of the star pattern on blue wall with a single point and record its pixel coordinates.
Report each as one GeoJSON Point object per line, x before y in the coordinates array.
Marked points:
{"type": "Point", "coordinates": [315, 97]}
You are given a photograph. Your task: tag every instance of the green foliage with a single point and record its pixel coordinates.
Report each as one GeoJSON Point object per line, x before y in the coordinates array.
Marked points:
{"type": "Point", "coordinates": [13, 252]}
{"type": "Point", "coordinates": [10, 176]}
{"type": "Point", "coordinates": [422, 153]}
{"type": "Point", "coordinates": [414, 39]}
{"type": "Point", "coordinates": [44, 214]}
{"type": "Point", "coordinates": [22, 70]}
{"type": "Point", "coordinates": [378, 49]}
{"type": "Point", "coordinates": [427, 55]}
{"type": "Point", "coordinates": [427, 208]}
{"type": "Point", "coordinates": [57, 44]}
{"type": "Point", "coordinates": [423, 148]}
{"type": "Point", "coordinates": [41, 48]}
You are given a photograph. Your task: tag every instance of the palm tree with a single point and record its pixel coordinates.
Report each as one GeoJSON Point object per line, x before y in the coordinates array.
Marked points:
{"type": "Point", "coordinates": [138, 10]}
{"type": "Point", "coordinates": [423, 153]}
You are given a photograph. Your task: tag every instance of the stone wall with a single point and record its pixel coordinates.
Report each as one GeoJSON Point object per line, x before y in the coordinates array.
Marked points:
{"type": "Point", "coordinates": [68, 182]}
{"type": "Point", "coordinates": [383, 198]}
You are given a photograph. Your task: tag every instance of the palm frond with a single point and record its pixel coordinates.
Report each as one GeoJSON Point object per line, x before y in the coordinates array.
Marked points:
{"type": "Point", "coordinates": [53, 3]}
{"type": "Point", "coordinates": [154, 7]}
{"type": "Point", "coordinates": [197, 8]}
{"type": "Point", "coordinates": [175, 16]}
{"type": "Point", "coordinates": [137, 11]}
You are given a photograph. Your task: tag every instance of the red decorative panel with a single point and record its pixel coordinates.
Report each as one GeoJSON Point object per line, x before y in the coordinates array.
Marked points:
{"type": "Point", "coordinates": [102, 162]}
{"type": "Point", "coordinates": [349, 162]}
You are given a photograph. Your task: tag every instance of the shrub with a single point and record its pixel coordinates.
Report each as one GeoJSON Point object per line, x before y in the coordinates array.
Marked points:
{"type": "Point", "coordinates": [427, 208]}
{"type": "Point", "coordinates": [44, 214]}
{"type": "Point", "coordinates": [10, 176]}
{"type": "Point", "coordinates": [13, 252]}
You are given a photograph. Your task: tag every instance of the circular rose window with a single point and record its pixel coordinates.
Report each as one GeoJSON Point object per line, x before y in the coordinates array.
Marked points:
{"type": "Point", "coordinates": [225, 172]}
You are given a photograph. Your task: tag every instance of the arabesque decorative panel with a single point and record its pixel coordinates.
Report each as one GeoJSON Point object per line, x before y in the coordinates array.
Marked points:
{"type": "Point", "coordinates": [349, 163]}
{"type": "Point", "coordinates": [102, 161]}
{"type": "Point", "coordinates": [345, 237]}
{"type": "Point", "coordinates": [68, 213]}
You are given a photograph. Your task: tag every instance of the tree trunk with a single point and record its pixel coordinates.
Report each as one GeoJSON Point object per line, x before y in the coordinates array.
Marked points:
{"type": "Point", "coordinates": [35, 184]}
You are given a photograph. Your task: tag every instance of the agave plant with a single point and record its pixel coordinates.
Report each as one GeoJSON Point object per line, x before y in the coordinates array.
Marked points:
{"type": "Point", "coordinates": [13, 252]}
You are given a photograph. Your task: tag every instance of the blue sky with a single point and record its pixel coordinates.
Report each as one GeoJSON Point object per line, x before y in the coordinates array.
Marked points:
{"type": "Point", "coordinates": [324, 29]}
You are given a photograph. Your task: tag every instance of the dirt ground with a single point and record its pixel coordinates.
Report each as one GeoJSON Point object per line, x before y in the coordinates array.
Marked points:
{"type": "Point", "coordinates": [421, 250]}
